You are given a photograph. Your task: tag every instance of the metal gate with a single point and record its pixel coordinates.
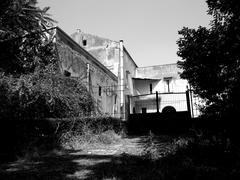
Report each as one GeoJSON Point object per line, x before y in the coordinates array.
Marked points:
{"type": "Point", "coordinates": [161, 112]}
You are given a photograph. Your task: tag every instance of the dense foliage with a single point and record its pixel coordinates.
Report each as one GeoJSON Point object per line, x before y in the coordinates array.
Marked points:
{"type": "Point", "coordinates": [25, 104]}
{"type": "Point", "coordinates": [43, 96]}
{"type": "Point", "coordinates": [211, 58]}
{"type": "Point", "coordinates": [24, 38]}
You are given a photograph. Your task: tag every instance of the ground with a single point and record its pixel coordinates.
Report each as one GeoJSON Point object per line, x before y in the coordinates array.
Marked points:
{"type": "Point", "coordinates": [120, 160]}
{"type": "Point", "coordinates": [132, 158]}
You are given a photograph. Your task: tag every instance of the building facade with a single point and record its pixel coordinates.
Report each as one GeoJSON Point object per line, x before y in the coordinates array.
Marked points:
{"type": "Point", "coordinates": [117, 84]}
{"type": "Point", "coordinates": [114, 56]}
{"type": "Point", "coordinates": [76, 62]}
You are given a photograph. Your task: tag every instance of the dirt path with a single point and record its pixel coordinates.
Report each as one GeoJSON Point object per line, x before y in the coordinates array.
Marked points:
{"type": "Point", "coordinates": [117, 161]}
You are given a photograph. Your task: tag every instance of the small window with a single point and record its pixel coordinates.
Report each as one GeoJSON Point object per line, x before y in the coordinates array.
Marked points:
{"type": "Point", "coordinates": [66, 73]}
{"type": "Point", "coordinates": [100, 91]}
{"type": "Point", "coordinates": [150, 88]}
{"type": "Point", "coordinates": [84, 42]}
{"type": "Point", "coordinates": [144, 110]}
{"type": "Point", "coordinates": [134, 110]}
{"type": "Point", "coordinates": [115, 102]}
{"type": "Point", "coordinates": [168, 87]}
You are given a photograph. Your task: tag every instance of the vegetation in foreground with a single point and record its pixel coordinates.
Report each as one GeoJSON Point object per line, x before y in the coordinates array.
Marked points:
{"type": "Point", "coordinates": [162, 157]}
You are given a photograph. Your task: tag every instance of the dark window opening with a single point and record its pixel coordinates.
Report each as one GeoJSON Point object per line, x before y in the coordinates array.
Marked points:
{"type": "Point", "coordinates": [134, 110]}
{"type": "Point", "coordinates": [66, 73]}
{"type": "Point", "coordinates": [115, 102]}
{"type": "Point", "coordinates": [144, 110]}
{"type": "Point", "coordinates": [100, 91]}
{"type": "Point", "coordinates": [84, 42]}
{"type": "Point", "coordinates": [150, 88]}
{"type": "Point", "coordinates": [168, 85]}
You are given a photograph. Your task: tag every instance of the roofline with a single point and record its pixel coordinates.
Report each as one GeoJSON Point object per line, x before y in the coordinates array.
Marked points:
{"type": "Point", "coordinates": [82, 50]}
{"type": "Point", "coordinates": [151, 79]}
{"type": "Point", "coordinates": [129, 56]}
{"type": "Point", "coordinates": [84, 33]}
{"type": "Point", "coordinates": [159, 65]}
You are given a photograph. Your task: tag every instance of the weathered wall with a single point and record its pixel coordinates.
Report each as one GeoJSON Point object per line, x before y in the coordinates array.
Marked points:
{"type": "Point", "coordinates": [158, 71]}
{"type": "Point", "coordinates": [99, 80]}
{"type": "Point", "coordinates": [158, 77]}
{"type": "Point", "coordinates": [129, 72]}
{"type": "Point", "coordinates": [108, 53]}
{"type": "Point", "coordinates": [146, 75]}
{"type": "Point", "coordinates": [104, 50]}
{"type": "Point", "coordinates": [142, 86]}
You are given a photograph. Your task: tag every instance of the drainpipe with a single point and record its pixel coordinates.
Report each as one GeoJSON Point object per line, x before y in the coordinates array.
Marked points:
{"type": "Point", "coordinates": [122, 104]}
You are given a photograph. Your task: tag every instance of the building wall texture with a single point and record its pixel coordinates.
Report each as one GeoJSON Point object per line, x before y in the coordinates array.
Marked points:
{"type": "Point", "coordinates": [136, 86]}
{"type": "Point", "coordinates": [100, 81]}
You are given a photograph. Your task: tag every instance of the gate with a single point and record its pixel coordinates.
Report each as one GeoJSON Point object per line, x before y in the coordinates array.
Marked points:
{"type": "Point", "coordinates": [160, 112]}
{"type": "Point", "coordinates": [157, 102]}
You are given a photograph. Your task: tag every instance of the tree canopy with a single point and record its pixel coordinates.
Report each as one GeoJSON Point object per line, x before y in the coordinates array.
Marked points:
{"type": "Point", "coordinates": [23, 42]}
{"type": "Point", "coordinates": [211, 57]}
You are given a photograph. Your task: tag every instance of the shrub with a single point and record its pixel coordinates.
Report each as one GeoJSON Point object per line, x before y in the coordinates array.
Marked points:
{"type": "Point", "coordinates": [40, 96]}
{"type": "Point", "coordinates": [28, 100]}
{"type": "Point", "coordinates": [100, 129]}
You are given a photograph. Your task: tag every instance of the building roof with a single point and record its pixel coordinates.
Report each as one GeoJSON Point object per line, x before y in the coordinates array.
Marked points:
{"type": "Point", "coordinates": [159, 72]}
{"type": "Point", "coordinates": [147, 79]}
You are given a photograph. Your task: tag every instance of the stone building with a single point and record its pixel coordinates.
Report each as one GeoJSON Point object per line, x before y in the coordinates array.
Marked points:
{"type": "Point", "coordinates": [75, 61]}
{"type": "Point", "coordinates": [136, 86]}
{"type": "Point", "coordinates": [114, 56]}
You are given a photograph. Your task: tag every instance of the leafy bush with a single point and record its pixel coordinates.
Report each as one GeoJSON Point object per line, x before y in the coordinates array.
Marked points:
{"type": "Point", "coordinates": [40, 96]}
{"type": "Point", "coordinates": [28, 100]}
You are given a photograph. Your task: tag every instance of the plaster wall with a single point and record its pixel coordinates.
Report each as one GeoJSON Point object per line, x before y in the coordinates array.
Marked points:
{"type": "Point", "coordinates": [98, 79]}
{"type": "Point", "coordinates": [104, 50]}
{"type": "Point", "coordinates": [129, 72]}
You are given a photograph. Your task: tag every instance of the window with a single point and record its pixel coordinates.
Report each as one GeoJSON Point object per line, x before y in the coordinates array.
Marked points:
{"type": "Point", "coordinates": [66, 73]}
{"type": "Point", "coordinates": [100, 91]}
{"type": "Point", "coordinates": [150, 88]}
{"type": "Point", "coordinates": [84, 41]}
{"type": "Point", "coordinates": [115, 102]}
{"type": "Point", "coordinates": [134, 110]}
{"type": "Point", "coordinates": [167, 84]}
{"type": "Point", "coordinates": [144, 110]}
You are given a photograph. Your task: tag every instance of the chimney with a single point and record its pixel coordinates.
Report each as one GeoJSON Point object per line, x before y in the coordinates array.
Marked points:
{"type": "Point", "coordinates": [79, 31]}
{"type": "Point", "coordinates": [78, 37]}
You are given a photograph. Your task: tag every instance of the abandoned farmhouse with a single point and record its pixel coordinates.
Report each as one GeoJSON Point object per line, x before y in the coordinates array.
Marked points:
{"type": "Point", "coordinates": [119, 87]}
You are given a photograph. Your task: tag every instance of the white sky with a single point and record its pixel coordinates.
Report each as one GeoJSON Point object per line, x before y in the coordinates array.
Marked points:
{"type": "Point", "coordinates": [149, 28]}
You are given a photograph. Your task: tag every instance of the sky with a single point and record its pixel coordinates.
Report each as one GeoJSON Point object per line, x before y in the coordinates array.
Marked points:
{"type": "Point", "coordinates": [149, 28]}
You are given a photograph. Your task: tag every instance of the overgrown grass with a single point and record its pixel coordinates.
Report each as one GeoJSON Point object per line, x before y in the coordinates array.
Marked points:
{"type": "Point", "coordinates": [82, 132]}
{"type": "Point", "coordinates": [191, 158]}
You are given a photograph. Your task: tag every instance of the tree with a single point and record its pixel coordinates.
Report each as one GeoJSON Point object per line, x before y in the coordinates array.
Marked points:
{"type": "Point", "coordinates": [211, 57]}
{"type": "Point", "coordinates": [24, 42]}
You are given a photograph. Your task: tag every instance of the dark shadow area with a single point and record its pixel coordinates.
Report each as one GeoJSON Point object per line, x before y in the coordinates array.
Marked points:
{"type": "Point", "coordinates": [18, 137]}
{"type": "Point", "coordinates": [48, 167]}
{"type": "Point", "coordinates": [159, 123]}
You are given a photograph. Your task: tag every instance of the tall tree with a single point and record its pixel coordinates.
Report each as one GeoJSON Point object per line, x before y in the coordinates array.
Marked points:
{"type": "Point", "coordinates": [211, 57]}
{"type": "Point", "coordinates": [23, 42]}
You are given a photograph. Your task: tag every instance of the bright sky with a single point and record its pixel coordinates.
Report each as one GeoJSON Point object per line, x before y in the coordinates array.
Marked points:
{"type": "Point", "coordinates": [149, 28]}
